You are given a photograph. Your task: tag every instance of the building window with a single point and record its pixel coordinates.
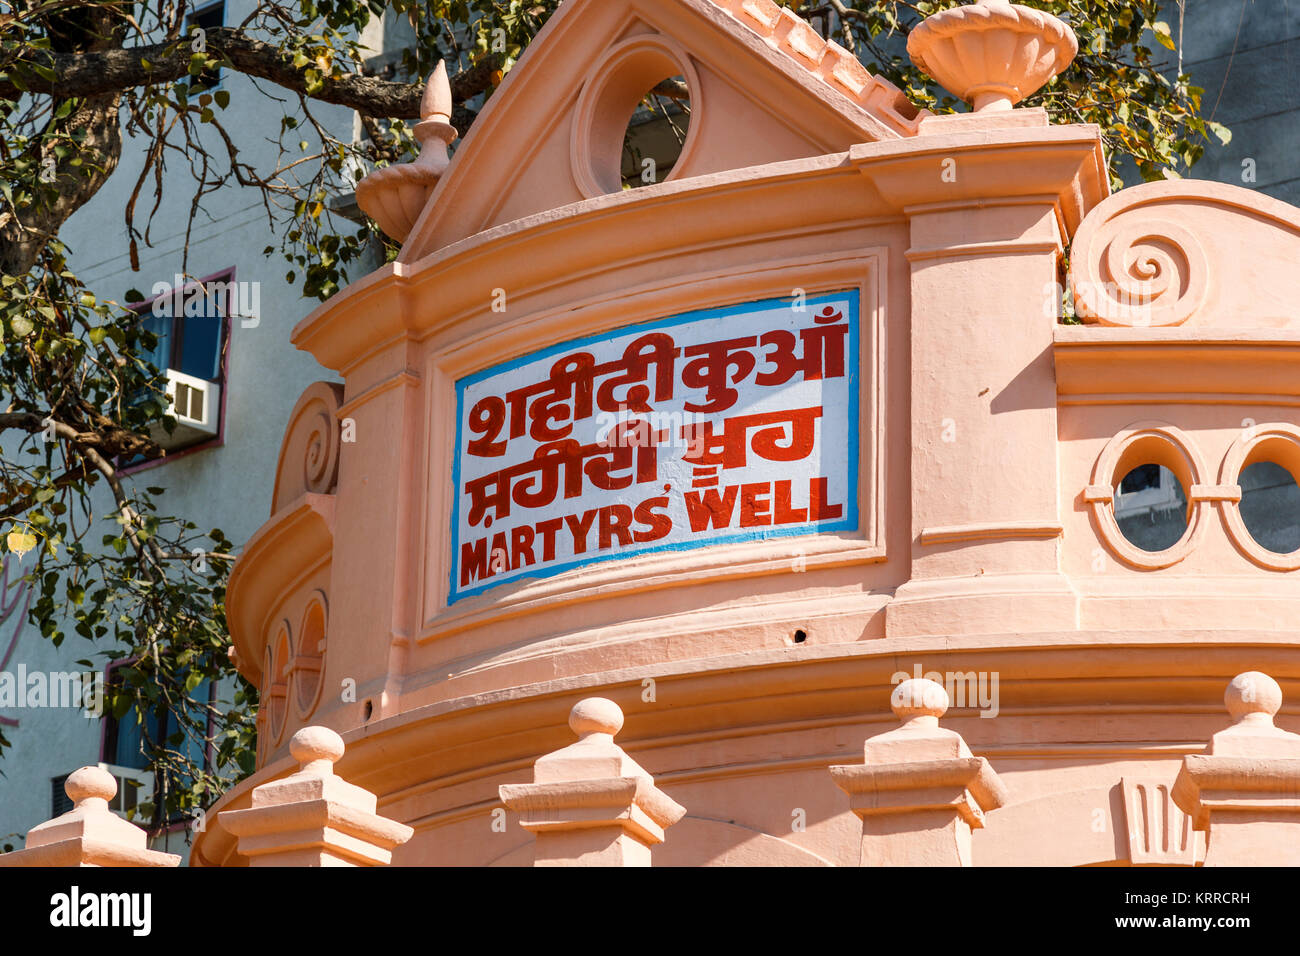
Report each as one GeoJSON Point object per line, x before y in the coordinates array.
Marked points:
{"type": "Point", "coordinates": [126, 739]}
{"type": "Point", "coordinates": [191, 325]}
{"type": "Point", "coordinates": [206, 18]}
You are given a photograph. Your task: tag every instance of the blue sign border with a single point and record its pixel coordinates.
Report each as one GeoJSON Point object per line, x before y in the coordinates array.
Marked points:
{"type": "Point", "coordinates": [849, 521]}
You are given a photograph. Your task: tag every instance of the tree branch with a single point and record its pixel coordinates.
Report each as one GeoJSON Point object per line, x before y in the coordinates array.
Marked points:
{"type": "Point", "coordinates": [110, 71]}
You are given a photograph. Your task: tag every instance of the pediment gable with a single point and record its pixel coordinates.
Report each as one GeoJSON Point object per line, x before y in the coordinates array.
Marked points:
{"type": "Point", "coordinates": [764, 87]}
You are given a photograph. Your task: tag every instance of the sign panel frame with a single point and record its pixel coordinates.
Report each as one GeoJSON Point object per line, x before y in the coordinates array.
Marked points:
{"type": "Point", "coordinates": [849, 296]}
{"type": "Point", "coordinates": [538, 319]}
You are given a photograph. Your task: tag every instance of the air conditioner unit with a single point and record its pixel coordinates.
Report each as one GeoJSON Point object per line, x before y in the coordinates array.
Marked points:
{"type": "Point", "coordinates": [134, 787]}
{"type": "Point", "coordinates": [196, 404]}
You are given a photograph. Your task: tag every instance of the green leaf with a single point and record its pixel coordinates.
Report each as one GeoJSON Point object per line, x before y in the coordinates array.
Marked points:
{"type": "Point", "coordinates": [1162, 34]}
{"type": "Point", "coordinates": [1222, 132]}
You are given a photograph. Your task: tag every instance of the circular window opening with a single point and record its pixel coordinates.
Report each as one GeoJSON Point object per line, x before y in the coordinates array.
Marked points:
{"type": "Point", "coordinates": [633, 118]}
{"type": "Point", "coordinates": [1151, 507]}
{"type": "Point", "coordinates": [1270, 506]}
{"type": "Point", "coordinates": [656, 133]}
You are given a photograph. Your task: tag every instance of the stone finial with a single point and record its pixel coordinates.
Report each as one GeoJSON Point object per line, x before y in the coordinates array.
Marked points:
{"type": "Point", "coordinates": [435, 104]}
{"type": "Point", "coordinates": [1253, 698]}
{"type": "Point", "coordinates": [919, 790]}
{"type": "Point", "coordinates": [90, 834]}
{"type": "Point", "coordinates": [590, 804]}
{"type": "Point", "coordinates": [919, 700]}
{"type": "Point", "coordinates": [314, 817]}
{"type": "Point", "coordinates": [90, 783]}
{"type": "Point", "coordinates": [1244, 790]}
{"type": "Point", "coordinates": [317, 749]}
{"type": "Point", "coordinates": [993, 53]}
{"type": "Point", "coordinates": [595, 715]}
{"type": "Point", "coordinates": [394, 196]}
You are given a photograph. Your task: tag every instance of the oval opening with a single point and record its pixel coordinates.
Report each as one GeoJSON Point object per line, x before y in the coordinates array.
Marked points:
{"type": "Point", "coordinates": [1270, 506]}
{"type": "Point", "coordinates": [655, 133]}
{"type": "Point", "coordinates": [1151, 507]}
{"type": "Point", "coordinates": [279, 684]}
{"type": "Point", "coordinates": [308, 664]}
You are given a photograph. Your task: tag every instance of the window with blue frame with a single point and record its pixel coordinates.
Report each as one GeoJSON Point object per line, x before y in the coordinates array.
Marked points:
{"type": "Point", "coordinates": [190, 326]}
{"type": "Point", "coordinates": [126, 737]}
{"type": "Point", "coordinates": [206, 18]}
{"type": "Point", "coordinates": [191, 331]}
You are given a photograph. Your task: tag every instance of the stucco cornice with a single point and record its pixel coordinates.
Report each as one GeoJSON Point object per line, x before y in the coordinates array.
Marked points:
{"type": "Point", "coordinates": [604, 241]}
{"type": "Point", "coordinates": [1123, 366]}
{"type": "Point", "coordinates": [1105, 674]}
{"type": "Point", "coordinates": [289, 547]}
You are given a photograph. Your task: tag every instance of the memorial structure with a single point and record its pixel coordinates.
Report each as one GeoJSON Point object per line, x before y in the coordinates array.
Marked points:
{"type": "Point", "coordinates": [725, 465]}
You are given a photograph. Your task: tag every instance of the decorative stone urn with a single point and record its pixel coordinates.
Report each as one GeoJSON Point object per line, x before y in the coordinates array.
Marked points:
{"type": "Point", "coordinates": [992, 53]}
{"type": "Point", "coordinates": [394, 196]}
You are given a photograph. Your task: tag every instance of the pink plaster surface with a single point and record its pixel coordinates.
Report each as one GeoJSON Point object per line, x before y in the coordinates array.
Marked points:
{"type": "Point", "coordinates": [992, 436]}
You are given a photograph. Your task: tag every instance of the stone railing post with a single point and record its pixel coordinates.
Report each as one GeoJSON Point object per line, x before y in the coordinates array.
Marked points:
{"type": "Point", "coordinates": [312, 817]}
{"type": "Point", "coordinates": [1244, 791]}
{"type": "Point", "coordinates": [590, 804]}
{"type": "Point", "coordinates": [919, 791]}
{"type": "Point", "coordinates": [89, 834]}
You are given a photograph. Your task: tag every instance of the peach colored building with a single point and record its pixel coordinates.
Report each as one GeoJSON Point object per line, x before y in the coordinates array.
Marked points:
{"type": "Point", "coordinates": [740, 450]}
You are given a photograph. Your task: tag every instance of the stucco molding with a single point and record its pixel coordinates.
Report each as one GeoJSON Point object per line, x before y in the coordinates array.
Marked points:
{"type": "Point", "coordinates": [1116, 365]}
{"type": "Point", "coordinates": [309, 452]}
{"type": "Point", "coordinates": [285, 551]}
{"type": "Point", "coordinates": [1177, 252]}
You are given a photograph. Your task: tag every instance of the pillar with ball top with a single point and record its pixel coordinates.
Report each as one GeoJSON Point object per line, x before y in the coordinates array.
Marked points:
{"type": "Point", "coordinates": [314, 817]}
{"type": "Point", "coordinates": [90, 834]}
{"type": "Point", "coordinates": [1244, 791]}
{"type": "Point", "coordinates": [590, 804]}
{"type": "Point", "coordinates": [919, 791]}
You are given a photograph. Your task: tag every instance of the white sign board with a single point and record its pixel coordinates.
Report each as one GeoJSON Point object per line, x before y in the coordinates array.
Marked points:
{"type": "Point", "coordinates": [706, 428]}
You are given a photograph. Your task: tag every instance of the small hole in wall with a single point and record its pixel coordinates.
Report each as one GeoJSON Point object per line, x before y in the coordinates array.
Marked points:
{"type": "Point", "coordinates": [656, 133]}
{"type": "Point", "coordinates": [799, 637]}
{"type": "Point", "coordinates": [367, 710]}
{"type": "Point", "coordinates": [1151, 508]}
